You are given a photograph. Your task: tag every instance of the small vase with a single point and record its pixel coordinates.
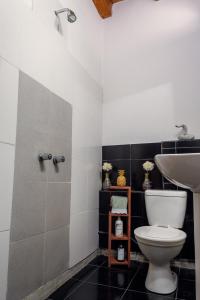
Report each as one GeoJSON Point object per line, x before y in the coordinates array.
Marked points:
{"type": "Point", "coordinates": [121, 179]}
{"type": "Point", "coordinates": [147, 183]}
{"type": "Point", "coordinates": [106, 183]}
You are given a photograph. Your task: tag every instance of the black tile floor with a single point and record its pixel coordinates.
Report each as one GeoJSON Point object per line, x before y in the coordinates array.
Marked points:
{"type": "Point", "coordinates": [97, 282]}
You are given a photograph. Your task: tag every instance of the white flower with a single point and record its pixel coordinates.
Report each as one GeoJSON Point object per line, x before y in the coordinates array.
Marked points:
{"type": "Point", "coordinates": [148, 166]}
{"type": "Point", "coordinates": [107, 167]}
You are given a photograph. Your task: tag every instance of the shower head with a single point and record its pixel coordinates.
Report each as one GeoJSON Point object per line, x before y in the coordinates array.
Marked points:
{"type": "Point", "coordinates": [71, 17]}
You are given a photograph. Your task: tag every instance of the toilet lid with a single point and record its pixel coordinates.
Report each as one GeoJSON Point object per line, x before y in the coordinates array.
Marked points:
{"type": "Point", "coordinates": [160, 233]}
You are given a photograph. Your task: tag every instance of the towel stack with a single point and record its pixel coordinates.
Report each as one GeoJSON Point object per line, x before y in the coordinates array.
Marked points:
{"type": "Point", "coordinates": [119, 204]}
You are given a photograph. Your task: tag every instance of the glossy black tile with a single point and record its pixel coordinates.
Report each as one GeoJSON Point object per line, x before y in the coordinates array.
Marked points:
{"type": "Point", "coordinates": [188, 248]}
{"type": "Point", "coordinates": [137, 176]}
{"type": "Point", "coordinates": [168, 144]}
{"type": "Point", "coordinates": [65, 290]}
{"type": "Point", "coordinates": [169, 186]}
{"type": "Point", "coordinates": [188, 150]}
{"type": "Point", "coordinates": [192, 143]}
{"type": "Point", "coordinates": [145, 151]}
{"type": "Point", "coordinates": [115, 277]}
{"type": "Point", "coordinates": [103, 223]}
{"type": "Point", "coordinates": [99, 261]}
{"type": "Point", "coordinates": [104, 202]}
{"type": "Point", "coordinates": [135, 223]}
{"type": "Point", "coordinates": [103, 240]}
{"type": "Point", "coordinates": [168, 151]}
{"type": "Point", "coordinates": [133, 295]}
{"type": "Point", "coordinates": [186, 290]}
{"type": "Point", "coordinates": [187, 274]}
{"type": "Point", "coordinates": [138, 207]}
{"type": "Point", "coordinates": [96, 292]}
{"type": "Point", "coordinates": [116, 152]}
{"type": "Point", "coordinates": [85, 273]}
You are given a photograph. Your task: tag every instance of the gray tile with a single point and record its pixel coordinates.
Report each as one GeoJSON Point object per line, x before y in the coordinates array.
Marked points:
{"type": "Point", "coordinates": [34, 104]}
{"type": "Point", "coordinates": [56, 252]}
{"type": "Point", "coordinates": [57, 205]}
{"type": "Point", "coordinates": [28, 209]}
{"type": "Point", "coordinates": [25, 267]}
{"type": "Point", "coordinates": [29, 145]}
{"type": "Point", "coordinates": [60, 117]}
{"type": "Point", "coordinates": [62, 171]}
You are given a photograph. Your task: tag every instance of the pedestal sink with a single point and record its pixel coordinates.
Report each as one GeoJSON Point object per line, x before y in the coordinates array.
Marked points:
{"type": "Point", "coordinates": [184, 171]}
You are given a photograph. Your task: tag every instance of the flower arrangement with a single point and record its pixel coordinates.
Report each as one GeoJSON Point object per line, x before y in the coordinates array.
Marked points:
{"type": "Point", "coordinates": [107, 167]}
{"type": "Point", "coordinates": [148, 166]}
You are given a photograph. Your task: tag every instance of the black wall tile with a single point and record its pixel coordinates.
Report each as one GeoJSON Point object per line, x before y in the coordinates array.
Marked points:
{"type": "Point", "coordinates": [192, 143]}
{"type": "Point", "coordinates": [103, 223]}
{"type": "Point", "coordinates": [169, 151]}
{"type": "Point", "coordinates": [169, 186]}
{"type": "Point", "coordinates": [103, 240]}
{"type": "Point", "coordinates": [188, 150]}
{"type": "Point", "coordinates": [116, 152]}
{"type": "Point", "coordinates": [138, 207]}
{"type": "Point", "coordinates": [145, 151]}
{"type": "Point", "coordinates": [168, 144]}
{"type": "Point", "coordinates": [104, 202]}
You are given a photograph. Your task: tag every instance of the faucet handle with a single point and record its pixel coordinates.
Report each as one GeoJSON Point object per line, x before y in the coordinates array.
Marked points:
{"type": "Point", "coordinates": [44, 156]}
{"type": "Point", "coordinates": [59, 158]}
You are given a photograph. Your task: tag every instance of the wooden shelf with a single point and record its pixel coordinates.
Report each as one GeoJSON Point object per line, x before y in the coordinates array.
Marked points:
{"type": "Point", "coordinates": [126, 237]}
{"type": "Point", "coordinates": [118, 215]}
{"type": "Point", "coordinates": [114, 261]}
{"type": "Point", "coordinates": [119, 238]}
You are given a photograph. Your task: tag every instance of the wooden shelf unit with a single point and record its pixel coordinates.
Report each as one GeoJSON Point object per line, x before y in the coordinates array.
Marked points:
{"type": "Point", "coordinates": [126, 237]}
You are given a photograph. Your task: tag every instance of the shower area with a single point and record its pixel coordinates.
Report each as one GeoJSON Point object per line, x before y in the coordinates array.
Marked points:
{"type": "Point", "coordinates": [39, 234]}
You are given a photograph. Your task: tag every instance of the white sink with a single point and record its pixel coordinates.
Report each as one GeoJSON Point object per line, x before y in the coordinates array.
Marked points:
{"type": "Point", "coordinates": [184, 171]}
{"type": "Point", "coordinates": [181, 169]}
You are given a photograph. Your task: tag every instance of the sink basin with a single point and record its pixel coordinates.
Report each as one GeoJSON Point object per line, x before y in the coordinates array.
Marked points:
{"type": "Point", "coordinates": [184, 171]}
{"type": "Point", "coordinates": [181, 169]}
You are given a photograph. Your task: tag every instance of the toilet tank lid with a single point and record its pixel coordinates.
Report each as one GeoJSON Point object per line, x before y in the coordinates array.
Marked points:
{"type": "Point", "coordinates": [166, 193]}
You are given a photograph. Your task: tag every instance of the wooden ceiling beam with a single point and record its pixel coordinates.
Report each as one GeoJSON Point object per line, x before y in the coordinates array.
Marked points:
{"type": "Point", "coordinates": [104, 7]}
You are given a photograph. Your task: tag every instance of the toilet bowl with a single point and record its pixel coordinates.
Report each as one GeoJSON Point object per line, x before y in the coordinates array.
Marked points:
{"type": "Point", "coordinates": [160, 245]}
{"type": "Point", "coordinates": [162, 240]}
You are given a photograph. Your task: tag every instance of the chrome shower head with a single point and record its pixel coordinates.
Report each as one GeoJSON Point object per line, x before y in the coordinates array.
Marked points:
{"type": "Point", "coordinates": [71, 17]}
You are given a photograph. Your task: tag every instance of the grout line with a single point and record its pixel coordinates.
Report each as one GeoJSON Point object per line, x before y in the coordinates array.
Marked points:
{"type": "Point", "coordinates": [131, 281]}
{"type": "Point", "coordinates": [7, 143]}
{"type": "Point", "coordinates": [176, 296]}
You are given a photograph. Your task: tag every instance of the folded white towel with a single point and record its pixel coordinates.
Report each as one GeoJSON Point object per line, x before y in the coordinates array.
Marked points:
{"type": "Point", "coordinates": [119, 211]}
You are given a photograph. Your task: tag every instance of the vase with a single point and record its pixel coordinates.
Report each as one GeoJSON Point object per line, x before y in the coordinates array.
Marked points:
{"type": "Point", "coordinates": [147, 183]}
{"type": "Point", "coordinates": [121, 179]}
{"type": "Point", "coordinates": [106, 183]}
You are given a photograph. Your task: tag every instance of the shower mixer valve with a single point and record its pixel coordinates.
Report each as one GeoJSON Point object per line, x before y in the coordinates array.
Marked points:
{"type": "Point", "coordinates": [44, 156]}
{"type": "Point", "coordinates": [58, 159]}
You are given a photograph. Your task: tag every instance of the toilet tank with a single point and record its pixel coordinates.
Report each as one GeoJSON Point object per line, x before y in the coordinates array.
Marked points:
{"type": "Point", "coordinates": [165, 207]}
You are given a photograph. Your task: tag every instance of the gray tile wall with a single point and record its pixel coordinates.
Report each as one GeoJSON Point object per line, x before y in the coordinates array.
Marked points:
{"type": "Point", "coordinates": [39, 241]}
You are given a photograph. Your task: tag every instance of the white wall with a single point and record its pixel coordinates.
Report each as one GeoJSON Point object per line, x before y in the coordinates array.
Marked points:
{"type": "Point", "coordinates": [68, 64]}
{"type": "Point", "coordinates": [151, 70]}
{"type": "Point", "coordinates": [8, 117]}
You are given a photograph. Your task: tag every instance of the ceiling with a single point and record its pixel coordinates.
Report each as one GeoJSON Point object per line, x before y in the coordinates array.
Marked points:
{"type": "Point", "coordinates": [104, 7]}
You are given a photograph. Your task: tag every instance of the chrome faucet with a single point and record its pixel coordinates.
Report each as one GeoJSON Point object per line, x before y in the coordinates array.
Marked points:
{"type": "Point", "coordinates": [183, 134]}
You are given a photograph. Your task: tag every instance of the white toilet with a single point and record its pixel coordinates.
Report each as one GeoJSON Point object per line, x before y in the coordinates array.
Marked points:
{"type": "Point", "coordinates": [162, 240]}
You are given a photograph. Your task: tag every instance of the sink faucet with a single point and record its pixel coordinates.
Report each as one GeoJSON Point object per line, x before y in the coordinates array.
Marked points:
{"type": "Point", "coordinates": [183, 134]}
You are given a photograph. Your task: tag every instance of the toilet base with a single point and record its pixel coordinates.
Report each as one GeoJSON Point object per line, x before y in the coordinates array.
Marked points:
{"type": "Point", "coordinates": [160, 279]}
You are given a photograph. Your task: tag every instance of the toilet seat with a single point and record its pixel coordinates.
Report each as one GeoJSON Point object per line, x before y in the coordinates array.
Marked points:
{"type": "Point", "coordinates": [157, 235]}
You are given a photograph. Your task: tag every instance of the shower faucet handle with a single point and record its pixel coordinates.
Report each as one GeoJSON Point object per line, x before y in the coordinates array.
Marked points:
{"type": "Point", "coordinates": [44, 156]}
{"type": "Point", "coordinates": [58, 159]}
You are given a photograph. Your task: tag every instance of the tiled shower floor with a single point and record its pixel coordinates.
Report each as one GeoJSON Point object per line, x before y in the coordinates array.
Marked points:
{"type": "Point", "coordinates": [97, 282]}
